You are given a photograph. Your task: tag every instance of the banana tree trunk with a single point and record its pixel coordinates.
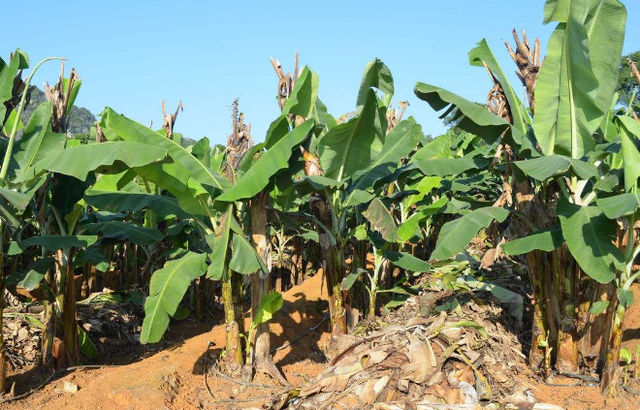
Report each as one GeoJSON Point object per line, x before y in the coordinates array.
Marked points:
{"type": "Point", "coordinates": [332, 268]}
{"type": "Point", "coordinates": [567, 272]}
{"type": "Point", "coordinates": [332, 264]}
{"type": "Point", "coordinates": [612, 371]}
{"type": "Point", "coordinates": [261, 344]}
{"type": "Point", "coordinates": [597, 327]}
{"type": "Point", "coordinates": [539, 328]}
{"type": "Point", "coordinates": [232, 302]}
{"type": "Point", "coordinates": [554, 338]}
{"type": "Point", "coordinates": [378, 272]}
{"type": "Point", "coordinates": [199, 289]}
{"type": "Point", "coordinates": [85, 281]}
{"type": "Point", "coordinates": [49, 325]}
{"type": "Point", "coordinates": [358, 297]}
{"type": "Point", "coordinates": [297, 260]}
{"type": "Point", "coordinates": [134, 268]}
{"type": "Point", "coordinates": [66, 301]}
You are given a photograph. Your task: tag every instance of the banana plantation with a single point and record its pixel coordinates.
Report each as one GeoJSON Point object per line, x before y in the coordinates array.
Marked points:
{"type": "Point", "coordinates": [345, 261]}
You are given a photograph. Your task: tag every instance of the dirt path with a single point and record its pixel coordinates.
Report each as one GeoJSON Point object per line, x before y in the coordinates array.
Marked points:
{"type": "Point", "coordinates": [173, 378]}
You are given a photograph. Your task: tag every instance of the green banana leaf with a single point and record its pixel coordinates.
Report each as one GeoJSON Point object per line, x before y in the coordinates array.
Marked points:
{"type": "Point", "coordinates": [629, 132]}
{"type": "Point", "coordinates": [351, 146]}
{"type": "Point", "coordinates": [245, 260]}
{"type": "Point", "coordinates": [619, 205]}
{"type": "Point", "coordinates": [438, 148]}
{"type": "Point", "coordinates": [605, 27]}
{"type": "Point", "coordinates": [18, 200]}
{"type": "Point", "coordinates": [288, 200]}
{"type": "Point", "coordinates": [248, 159]}
{"type": "Point", "coordinates": [94, 256]}
{"type": "Point", "coordinates": [381, 220]}
{"type": "Point", "coordinates": [567, 114]}
{"type": "Point", "coordinates": [73, 94]}
{"type": "Point", "coordinates": [589, 235]}
{"type": "Point", "coordinates": [407, 261]}
{"type": "Point", "coordinates": [457, 234]}
{"type": "Point", "coordinates": [474, 118]}
{"type": "Point", "coordinates": [550, 166]}
{"type": "Point", "coordinates": [37, 142]}
{"type": "Point", "coordinates": [118, 201]}
{"type": "Point", "coordinates": [398, 144]}
{"type": "Point", "coordinates": [8, 73]}
{"type": "Point", "coordinates": [87, 348]}
{"type": "Point", "coordinates": [33, 275]}
{"type": "Point", "coordinates": [303, 97]}
{"type": "Point", "coordinates": [79, 161]}
{"type": "Point", "coordinates": [482, 53]}
{"type": "Point", "coordinates": [277, 129]}
{"type": "Point", "coordinates": [269, 305]}
{"type": "Point", "coordinates": [322, 116]}
{"type": "Point", "coordinates": [317, 183]}
{"type": "Point", "coordinates": [357, 197]}
{"type": "Point", "coordinates": [409, 227]}
{"type": "Point", "coordinates": [448, 166]}
{"type": "Point", "coordinates": [376, 75]}
{"type": "Point", "coordinates": [51, 242]}
{"type": "Point", "coordinates": [258, 176]}
{"type": "Point", "coordinates": [117, 126]}
{"type": "Point", "coordinates": [166, 289]}
{"type": "Point", "coordinates": [544, 240]}
{"type": "Point", "coordinates": [424, 186]}
{"type": "Point", "coordinates": [220, 246]}
{"type": "Point", "coordinates": [125, 231]}
{"type": "Point", "coordinates": [178, 181]}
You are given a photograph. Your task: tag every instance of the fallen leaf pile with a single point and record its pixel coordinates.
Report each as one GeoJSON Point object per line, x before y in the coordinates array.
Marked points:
{"type": "Point", "coordinates": [21, 341]}
{"type": "Point", "coordinates": [21, 333]}
{"type": "Point", "coordinates": [111, 323]}
{"type": "Point", "coordinates": [462, 358]}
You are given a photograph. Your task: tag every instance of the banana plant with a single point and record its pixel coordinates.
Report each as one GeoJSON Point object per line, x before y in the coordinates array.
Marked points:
{"type": "Point", "coordinates": [623, 207]}
{"type": "Point", "coordinates": [573, 95]}
{"type": "Point", "coordinates": [44, 170]}
{"type": "Point", "coordinates": [193, 182]}
{"type": "Point", "coordinates": [343, 165]}
{"type": "Point", "coordinates": [202, 192]}
{"type": "Point", "coordinates": [576, 89]}
{"type": "Point", "coordinates": [261, 169]}
{"type": "Point", "coordinates": [12, 202]}
{"type": "Point", "coordinates": [386, 239]}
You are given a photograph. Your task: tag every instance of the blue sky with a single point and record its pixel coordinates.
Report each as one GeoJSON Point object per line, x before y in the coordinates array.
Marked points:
{"type": "Point", "coordinates": [131, 54]}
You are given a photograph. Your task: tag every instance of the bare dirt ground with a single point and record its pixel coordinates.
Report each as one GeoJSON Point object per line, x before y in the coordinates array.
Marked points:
{"type": "Point", "coordinates": [173, 378]}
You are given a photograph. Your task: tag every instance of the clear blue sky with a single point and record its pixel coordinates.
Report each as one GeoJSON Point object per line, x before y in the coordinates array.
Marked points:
{"type": "Point", "coordinates": [131, 54]}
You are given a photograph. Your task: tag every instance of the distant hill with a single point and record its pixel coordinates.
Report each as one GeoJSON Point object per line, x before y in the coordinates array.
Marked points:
{"type": "Point", "coordinates": [188, 141]}
{"type": "Point", "coordinates": [80, 121]}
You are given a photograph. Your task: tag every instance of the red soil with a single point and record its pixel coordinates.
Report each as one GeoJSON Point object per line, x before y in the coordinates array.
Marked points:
{"type": "Point", "coordinates": [173, 378]}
